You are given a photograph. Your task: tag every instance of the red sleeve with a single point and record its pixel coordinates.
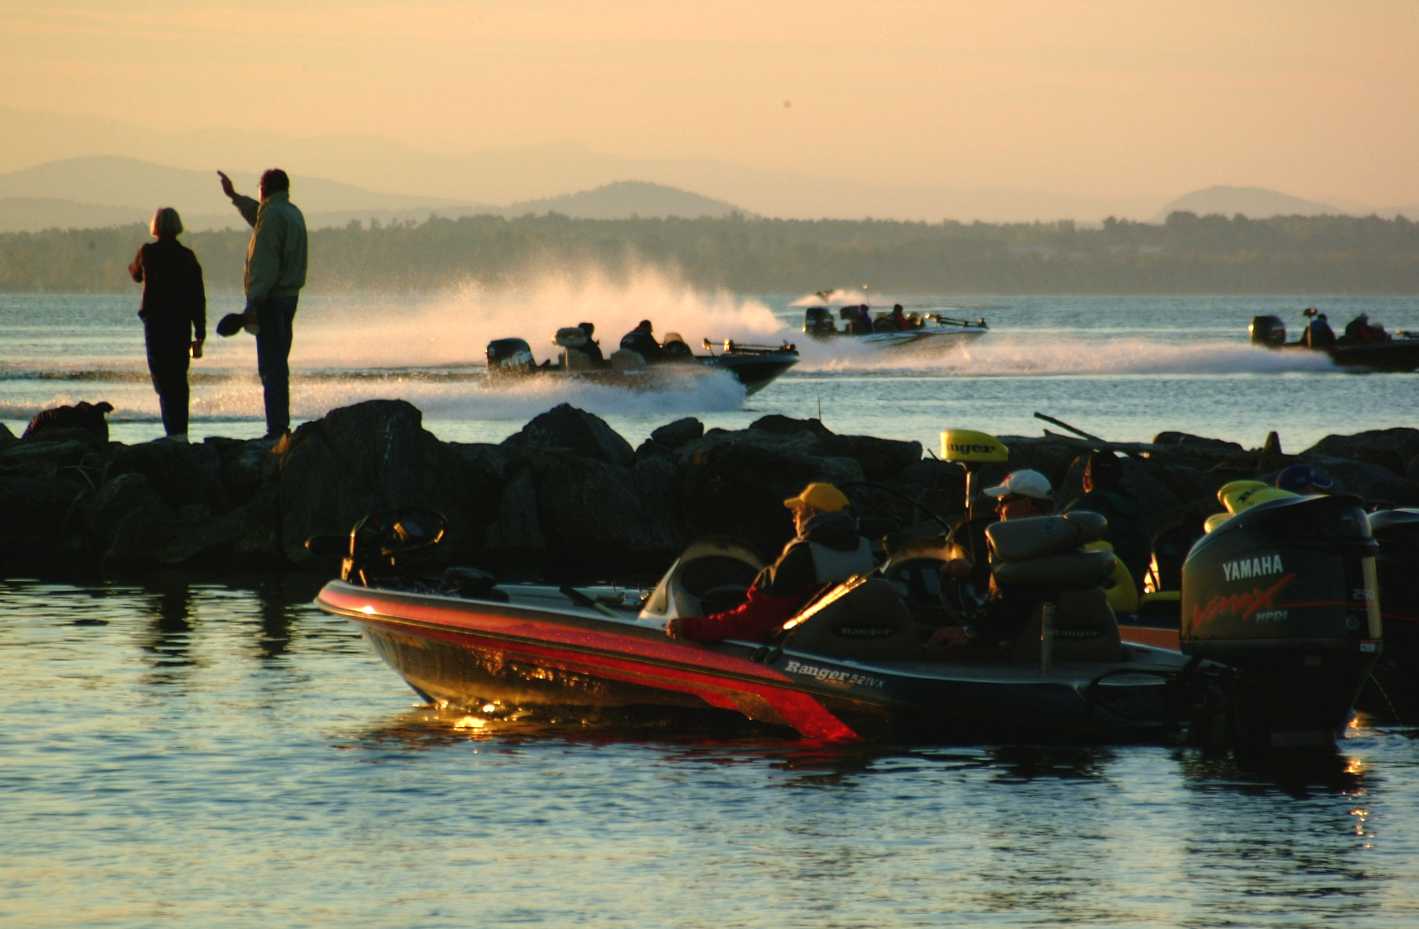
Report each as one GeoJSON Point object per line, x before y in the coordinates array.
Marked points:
{"type": "Point", "coordinates": [758, 617]}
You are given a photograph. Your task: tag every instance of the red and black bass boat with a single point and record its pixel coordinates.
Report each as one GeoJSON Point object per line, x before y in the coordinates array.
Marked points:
{"type": "Point", "coordinates": [857, 662]}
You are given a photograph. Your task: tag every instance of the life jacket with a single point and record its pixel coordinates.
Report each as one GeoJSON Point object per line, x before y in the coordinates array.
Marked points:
{"type": "Point", "coordinates": [831, 565]}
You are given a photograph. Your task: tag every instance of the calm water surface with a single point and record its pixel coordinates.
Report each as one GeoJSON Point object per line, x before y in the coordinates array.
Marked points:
{"type": "Point", "coordinates": [223, 754]}
{"type": "Point", "coordinates": [184, 754]}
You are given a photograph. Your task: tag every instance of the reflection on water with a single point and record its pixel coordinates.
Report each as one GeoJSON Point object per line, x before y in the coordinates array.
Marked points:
{"type": "Point", "coordinates": [179, 752]}
{"type": "Point", "coordinates": [169, 639]}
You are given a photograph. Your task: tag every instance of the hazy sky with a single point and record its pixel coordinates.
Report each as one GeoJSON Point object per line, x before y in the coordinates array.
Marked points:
{"type": "Point", "coordinates": [1142, 98]}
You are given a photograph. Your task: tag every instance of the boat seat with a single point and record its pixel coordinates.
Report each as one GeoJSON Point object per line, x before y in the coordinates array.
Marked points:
{"type": "Point", "coordinates": [864, 618]}
{"type": "Point", "coordinates": [623, 359]}
{"type": "Point", "coordinates": [574, 359]}
{"type": "Point", "coordinates": [1085, 629]}
{"type": "Point", "coordinates": [1055, 575]}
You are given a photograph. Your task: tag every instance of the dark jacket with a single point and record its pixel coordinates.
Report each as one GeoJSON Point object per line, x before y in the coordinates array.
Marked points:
{"type": "Point", "coordinates": [1125, 531]}
{"type": "Point", "coordinates": [1319, 334]}
{"type": "Point", "coordinates": [643, 341]}
{"type": "Point", "coordinates": [173, 293]}
{"type": "Point", "coordinates": [829, 550]}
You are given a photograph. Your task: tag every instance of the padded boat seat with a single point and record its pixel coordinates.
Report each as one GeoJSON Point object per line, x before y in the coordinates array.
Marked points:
{"type": "Point", "coordinates": [623, 359]}
{"type": "Point", "coordinates": [864, 617]}
{"type": "Point", "coordinates": [1085, 629]}
{"type": "Point", "coordinates": [1056, 574]}
{"type": "Point", "coordinates": [1038, 536]}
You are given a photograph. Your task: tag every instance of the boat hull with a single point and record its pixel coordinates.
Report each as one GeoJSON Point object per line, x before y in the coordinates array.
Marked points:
{"type": "Point", "coordinates": [940, 337]}
{"type": "Point", "coordinates": [754, 371]}
{"type": "Point", "coordinates": [470, 653]}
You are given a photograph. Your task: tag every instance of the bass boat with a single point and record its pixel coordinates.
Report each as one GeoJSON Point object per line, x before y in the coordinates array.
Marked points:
{"type": "Point", "coordinates": [886, 330]}
{"type": "Point", "coordinates": [860, 661]}
{"type": "Point", "coordinates": [1398, 351]}
{"type": "Point", "coordinates": [511, 361]}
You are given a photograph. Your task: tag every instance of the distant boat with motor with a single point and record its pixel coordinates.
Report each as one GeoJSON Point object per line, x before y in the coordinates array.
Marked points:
{"type": "Point", "coordinates": [1362, 347]}
{"type": "Point", "coordinates": [755, 366]}
{"type": "Point", "coordinates": [857, 662]}
{"type": "Point", "coordinates": [892, 328]}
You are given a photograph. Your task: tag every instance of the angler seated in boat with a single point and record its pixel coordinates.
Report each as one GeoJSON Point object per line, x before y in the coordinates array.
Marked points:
{"type": "Point", "coordinates": [1360, 331]}
{"type": "Point", "coordinates": [988, 598]}
{"type": "Point", "coordinates": [826, 548]}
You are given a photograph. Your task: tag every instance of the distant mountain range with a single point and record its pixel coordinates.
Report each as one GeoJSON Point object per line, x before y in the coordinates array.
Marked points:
{"type": "Point", "coordinates": [108, 191]}
{"type": "Point", "coordinates": [1251, 202]}
{"type": "Point", "coordinates": [626, 198]}
{"type": "Point", "coordinates": [103, 191]}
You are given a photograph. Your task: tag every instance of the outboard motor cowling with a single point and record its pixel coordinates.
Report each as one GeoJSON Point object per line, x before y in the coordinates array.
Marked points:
{"type": "Point", "coordinates": [1286, 594]}
{"type": "Point", "coordinates": [510, 357]}
{"type": "Point", "coordinates": [818, 321]}
{"type": "Point", "coordinates": [1267, 330]}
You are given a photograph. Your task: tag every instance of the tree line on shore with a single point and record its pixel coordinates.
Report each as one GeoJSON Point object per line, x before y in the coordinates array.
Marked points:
{"type": "Point", "coordinates": [1185, 254]}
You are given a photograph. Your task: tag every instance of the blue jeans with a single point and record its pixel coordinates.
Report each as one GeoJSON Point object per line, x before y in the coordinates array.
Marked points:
{"type": "Point", "coordinates": [167, 344]}
{"type": "Point", "coordinates": [273, 351]}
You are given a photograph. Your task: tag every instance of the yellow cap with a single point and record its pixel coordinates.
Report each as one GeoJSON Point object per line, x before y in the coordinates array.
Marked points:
{"type": "Point", "coordinates": [822, 497]}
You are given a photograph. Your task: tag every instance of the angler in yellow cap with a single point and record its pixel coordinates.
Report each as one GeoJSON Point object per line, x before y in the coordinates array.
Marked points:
{"type": "Point", "coordinates": [826, 548]}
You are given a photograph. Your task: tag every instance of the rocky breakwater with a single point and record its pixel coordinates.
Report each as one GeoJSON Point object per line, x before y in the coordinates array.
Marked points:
{"type": "Point", "coordinates": [565, 498]}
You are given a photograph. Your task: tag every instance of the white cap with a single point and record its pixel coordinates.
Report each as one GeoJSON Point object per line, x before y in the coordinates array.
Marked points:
{"type": "Point", "coordinates": [1023, 483]}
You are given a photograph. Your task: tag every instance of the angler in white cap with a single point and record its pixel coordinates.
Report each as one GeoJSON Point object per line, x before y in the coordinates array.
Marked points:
{"type": "Point", "coordinates": [1023, 493]}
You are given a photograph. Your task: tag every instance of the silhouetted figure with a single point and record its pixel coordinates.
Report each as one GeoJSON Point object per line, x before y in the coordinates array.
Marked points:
{"type": "Point", "coordinates": [1104, 494]}
{"type": "Point", "coordinates": [593, 347]}
{"type": "Point", "coordinates": [642, 341]}
{"type": "Point", "coordinates": [1318, 333]}
{"type": "Point", "coordinates": [174, 314]}
{"type": "Point", "coordinates": [274, 275]}
{"type": "Point", "coordinates": [1361, 331]}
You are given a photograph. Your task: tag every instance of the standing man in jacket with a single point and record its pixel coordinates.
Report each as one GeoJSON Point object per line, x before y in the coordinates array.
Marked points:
{"type": "Point", "coordinates": [274, 276]}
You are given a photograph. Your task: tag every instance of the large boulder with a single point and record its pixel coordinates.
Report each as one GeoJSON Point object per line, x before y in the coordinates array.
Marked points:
{"type": "Point", "coordinates": [372, 457]}
{"type": "Point", "coordinates": [128, 520]}
{"type": "Point", "coordinates": [181, 474]}
{"type": "Point", "coordinates": [1388, 448]}
{"type": "Point", "coordinates": [567, 428]}
{"type": "Point", "coordinates": [734, 484]}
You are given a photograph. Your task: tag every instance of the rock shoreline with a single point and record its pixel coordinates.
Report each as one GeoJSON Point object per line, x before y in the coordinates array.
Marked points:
{"type": "Point", "coordinates": [566, 498]}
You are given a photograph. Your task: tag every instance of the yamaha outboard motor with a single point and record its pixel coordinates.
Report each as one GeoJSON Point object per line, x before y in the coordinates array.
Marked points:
{"type": "Point", "coordinates": [1285, 593]}
{"type": "Point", "coordinates": [1397, 532]}
{"type": "Point", "coordinates": [1267, 330]}
{"type": "Point", "coordinates": [509, 358]}
{"type": "Point", "coordinates": [818, 321]}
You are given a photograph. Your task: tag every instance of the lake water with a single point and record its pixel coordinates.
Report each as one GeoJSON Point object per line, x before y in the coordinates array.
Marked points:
{"type": "Point", "coordinates": [1120, 367]}
{"type": "Point", "coordinates": [193, 751]}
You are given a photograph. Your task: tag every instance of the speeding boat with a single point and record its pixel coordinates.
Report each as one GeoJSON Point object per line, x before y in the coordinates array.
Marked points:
{"type": "Point", "coordinates": [859, 661]}
{"type": "Point", "coordinates": [511, 361]}
{"type": "Point", "coordinates": [886, 330]}
{"type": "Point", "coordinates": [1398, 351]}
